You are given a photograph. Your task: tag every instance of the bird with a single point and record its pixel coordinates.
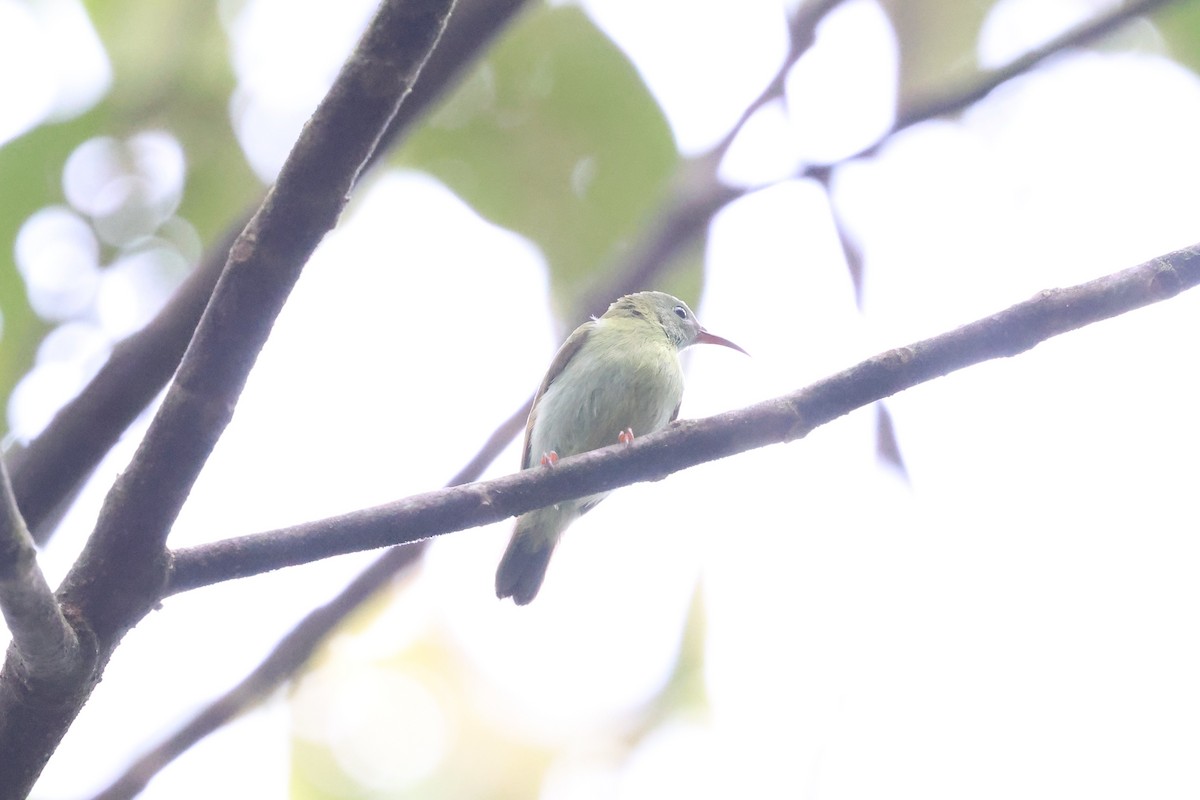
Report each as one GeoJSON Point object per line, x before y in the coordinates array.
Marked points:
{"type": "Point", "coordinates": [616, 376]}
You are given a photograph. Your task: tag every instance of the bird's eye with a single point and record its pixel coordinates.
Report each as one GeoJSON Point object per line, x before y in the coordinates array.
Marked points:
{"type": "Point", "coordinates": [681, 312]}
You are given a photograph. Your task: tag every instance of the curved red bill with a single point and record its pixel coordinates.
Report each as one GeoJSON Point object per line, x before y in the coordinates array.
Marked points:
{"type": "Point", "coordinates": [704, 337]}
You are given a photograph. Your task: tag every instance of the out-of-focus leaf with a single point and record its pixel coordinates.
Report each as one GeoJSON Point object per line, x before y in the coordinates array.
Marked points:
{"type": "Point", "coordinates": [170, 72]}
{"type": "Point", "coordinates": [937, 44]}
{"type": "Point", "coordinates": [479, 759]}
{"type": "Point", "coordinates": [555, 136]}
{"type": "Point", "coordinates": [887, 446]}
{"type": "Point", "coordinates": [1179, 24]}
{"type": "Point", "coordinates": [685, 692]}
{"type": "Point", "coordinates": [31, 177]}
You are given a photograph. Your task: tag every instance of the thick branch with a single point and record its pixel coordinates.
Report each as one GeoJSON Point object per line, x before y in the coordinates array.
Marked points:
{"type": "Point", "coordinates": [45, 649]}
{"type": "Point", "coordinates": [686, 444]}
{"type": "Point", "coordinates": [120, 574]}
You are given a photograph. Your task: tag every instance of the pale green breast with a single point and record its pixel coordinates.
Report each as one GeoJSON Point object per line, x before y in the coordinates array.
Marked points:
{"type": "Point", "coordinates": [626, 375]}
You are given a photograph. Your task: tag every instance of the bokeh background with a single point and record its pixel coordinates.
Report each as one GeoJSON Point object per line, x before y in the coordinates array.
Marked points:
{"type": "Point", "coordinates": [1010, 609]}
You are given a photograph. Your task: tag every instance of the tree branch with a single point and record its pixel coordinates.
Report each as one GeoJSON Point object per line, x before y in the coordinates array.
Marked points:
{"type": "Point", "coordinates": [698, 194]}
{"type": "Point", "coordinates": [959, 99]}
{"type": "Point", "coordinates": [45, 649]}
{"type": "Point", "coordinates": [956, 100]}
{"type": "Point", "coordinates": [1079, 36]}
{"type": "Point", "coordinates": [121, 572]}
{"type": "Point", "coordinates": [688, 443]}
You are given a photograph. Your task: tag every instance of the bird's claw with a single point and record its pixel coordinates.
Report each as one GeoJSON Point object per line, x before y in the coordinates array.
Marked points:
{"type": "Point", "coordinates": [625, 436]}
{"type": "Point", "coordinates": [549, 459]}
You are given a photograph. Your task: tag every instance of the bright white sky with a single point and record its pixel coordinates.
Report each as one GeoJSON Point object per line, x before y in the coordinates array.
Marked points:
{"type": "Point", "coordinates": [1019, 621]}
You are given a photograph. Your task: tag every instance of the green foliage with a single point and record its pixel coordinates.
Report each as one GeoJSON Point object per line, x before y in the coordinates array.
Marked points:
{"type": "Point", "coordinates": [555, 136]}
{"type": "Point", "coordinates": [1179, 24]}
{"type": "Point", "coordinates": [938, 44]}
{"type": "Point", "coordinates": [480, 759]}
{"type": "Point", "coordinates": [171, 72]}
{"type": "Point", "coordinates": [30, 171]}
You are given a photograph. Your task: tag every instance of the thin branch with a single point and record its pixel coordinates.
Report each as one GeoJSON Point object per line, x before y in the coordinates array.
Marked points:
{"type": "Point", "coordinates": [120, 574]}
{"type": "Point", "coordinates": [698, 194]}
{"type": "Point", "coordinates": [959, 99]}
{"type": "Point", "coordinates": [686, 444]}
{"type": "Point", "coordinates": [45, 649]}
{"type": "Point", "coordinates": [48, 471]}
{"type": "Point", "coordinates": [802, 33]}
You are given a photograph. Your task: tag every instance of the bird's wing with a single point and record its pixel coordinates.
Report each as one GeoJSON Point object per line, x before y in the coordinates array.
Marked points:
{"type": "Point", "coordinates": [564, 355]}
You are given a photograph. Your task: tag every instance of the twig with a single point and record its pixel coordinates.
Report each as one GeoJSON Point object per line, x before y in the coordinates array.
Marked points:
{"type": "Point", "coordinates": [698, 194]}
{"type": "Point", "coordinates": [802, 32]}
{"type": "Point", "coordinates": [686, 444]}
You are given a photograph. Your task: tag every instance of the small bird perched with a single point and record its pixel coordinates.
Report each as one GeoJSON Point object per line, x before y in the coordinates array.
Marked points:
{"type": "Point", "coordinates": [614, 376]}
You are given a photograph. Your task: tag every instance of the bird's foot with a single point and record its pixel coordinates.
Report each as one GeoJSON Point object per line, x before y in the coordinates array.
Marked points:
{"type": "Point", "coordinates": [549, 459]}
{"type": "Point", "coordinates": [625, 436]}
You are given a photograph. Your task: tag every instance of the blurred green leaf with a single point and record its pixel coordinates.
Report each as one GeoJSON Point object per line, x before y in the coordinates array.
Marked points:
{"type": "Point", "coordinates": [554, 135]}
{"type": "Point", "coordinates": [170, 72]}
{"type": "Point", "coordinates": [1179, 24]}
{"type": "Point", "coordinates": [481, 760]}
{"type": "Point", "coordinates": [938, 44]}
{"type": "Point", "coordinates": [30, 172]}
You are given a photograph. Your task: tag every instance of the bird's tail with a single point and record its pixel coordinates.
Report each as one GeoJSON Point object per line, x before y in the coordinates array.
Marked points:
{"type": "Point", "coordinates": [523, 566]}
